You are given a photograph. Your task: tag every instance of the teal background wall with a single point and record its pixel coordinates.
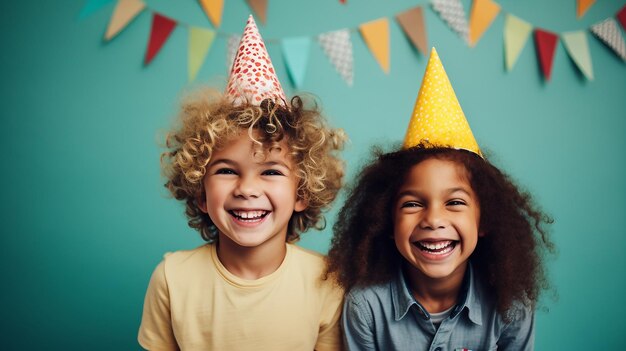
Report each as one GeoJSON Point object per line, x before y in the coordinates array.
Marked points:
{"type": "Point", "coordinates": [85, 218]}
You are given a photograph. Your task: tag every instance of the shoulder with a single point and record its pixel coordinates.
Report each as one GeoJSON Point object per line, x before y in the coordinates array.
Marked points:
{"type": "Point", "coordinates": [308, 260]}
{"type": "Point", "coordinates": [369, 295]}
{"type": "Point", "coordinates": [187, 260]}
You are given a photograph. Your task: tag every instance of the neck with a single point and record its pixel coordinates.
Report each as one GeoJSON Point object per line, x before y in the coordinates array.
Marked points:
{"type": "Point", "coordinates": [251, 262]}
{"type": "Point", "coordinates": [435, 294]}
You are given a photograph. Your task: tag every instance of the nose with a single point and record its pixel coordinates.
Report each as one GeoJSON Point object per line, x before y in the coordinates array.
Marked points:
{"type": "Point", "coordinates": [247, 187]}
{"type": "Point", "coordinates": [433, 217]}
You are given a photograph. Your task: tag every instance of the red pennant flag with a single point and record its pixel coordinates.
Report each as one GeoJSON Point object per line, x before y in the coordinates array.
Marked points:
{"type": "Point", "coordinates": [342, 1]}
{"type": "Point", "coordinates": [621, 17]}
{"type": "Point", "coordinates": [545, 43]}
{"type": "Point", "coordinates": [161, 29]}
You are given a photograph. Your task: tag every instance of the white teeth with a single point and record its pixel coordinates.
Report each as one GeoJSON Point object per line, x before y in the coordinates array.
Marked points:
{"type": "Point", "coordinates": [435, 245]}
{"type": "Point", "coordinates": [249, 214]}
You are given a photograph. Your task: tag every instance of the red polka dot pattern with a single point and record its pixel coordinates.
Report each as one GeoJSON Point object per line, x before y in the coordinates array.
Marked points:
{"type": "Point", "coordinates": [252, 77]}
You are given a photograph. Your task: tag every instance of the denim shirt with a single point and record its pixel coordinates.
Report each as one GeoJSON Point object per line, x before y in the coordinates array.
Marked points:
{"type": "Point", "coordinates": [387, 317]}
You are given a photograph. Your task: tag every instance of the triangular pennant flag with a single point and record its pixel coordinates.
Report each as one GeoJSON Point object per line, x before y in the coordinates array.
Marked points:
{"type": "Point", "coordinates": [161, 29]}
{"type": "Point", "coordinates": [451, 11]}
{"type": "Point", "coordinates": [376, 36]}
{"type": "Point", "coordinates": [412, 23]}
{"type": "Point", "coordinates": [582, 6]}
{"type": "Point", "coordinates": [200, 41]}
{"type": "Point", "coordinates": [482, 15]}
{"type": "Point", "coordinates": [260, 9]}
{"type": "Point", "coordinates": [213, 10]}
{"type": "Point", "coordinates": [338, 48]}
{"type": "Point", "coordinates": [92, 6]}
{"type": "Point", "coordinates": [296, 53]}
{"type": "Point", "coordinates": [438, 118]}
{"type": "Point", "coordinates": [231, 50]}
{"type": "Point", "coordinates": [545, 43]}
{"type": "Point", "coordinates": [609, 33]}
{"type": "Point", "coordinates": [516, 32]}
{"type": "Point", "coordinates": [125, 11]}
{"type": "Point", "coordinates": [578, 49]}
{"type": "Point", "coordinates": [621, 17]}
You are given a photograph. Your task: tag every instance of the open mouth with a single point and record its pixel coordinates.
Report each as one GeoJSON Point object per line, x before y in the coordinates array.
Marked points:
{"type": "Point", "coordinates": [249, 216]}
{"type": "Point", "coordinates": [436, 247]}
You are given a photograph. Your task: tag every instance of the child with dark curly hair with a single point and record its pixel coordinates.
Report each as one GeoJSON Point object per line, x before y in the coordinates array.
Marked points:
{"type": "Point", "coordinates": [436, 248]}
{"type": "Point", "coordinates": [254, 172]}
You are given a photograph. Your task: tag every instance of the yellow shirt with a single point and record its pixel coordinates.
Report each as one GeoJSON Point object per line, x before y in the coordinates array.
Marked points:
{"type": "Point", "coordinates": [194, 303]}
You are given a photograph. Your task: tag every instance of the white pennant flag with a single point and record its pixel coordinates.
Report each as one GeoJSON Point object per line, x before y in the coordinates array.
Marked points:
{"type": "Point", "coordinates": [338, 48]}
{"type": "Point", "coordinates": [608, 32]}
{"type": "Point", "coordinates": [453, 13]}
{"type": "Point", "coordinates": [231, 50]}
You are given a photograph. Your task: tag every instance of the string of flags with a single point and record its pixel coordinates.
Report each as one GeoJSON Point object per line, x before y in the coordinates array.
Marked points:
{"type": "Point", "coordinates": [337, 44]}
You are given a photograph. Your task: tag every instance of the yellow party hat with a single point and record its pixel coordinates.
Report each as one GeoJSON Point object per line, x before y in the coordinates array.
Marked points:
{"type": "Point", "coordinates": [437, 118]}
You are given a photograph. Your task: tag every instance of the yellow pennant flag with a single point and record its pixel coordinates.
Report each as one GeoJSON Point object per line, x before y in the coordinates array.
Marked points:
{"type": "Point", "coordinates": [376, 36]}
{"type": "Point", "coordinates": [213, 9]}
{"type": "Point", "coordinates": [125, 11]}
{"type": "Point", "coordinates": [200, 41]}
{"type": "Point", "coordinates": [582, 6]}
{"type": "Point", "coordinates": [482, 15]}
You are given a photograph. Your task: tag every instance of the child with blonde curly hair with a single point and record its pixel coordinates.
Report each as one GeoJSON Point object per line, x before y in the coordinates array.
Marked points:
{"type": "Point", "coordinates": [255, 172]}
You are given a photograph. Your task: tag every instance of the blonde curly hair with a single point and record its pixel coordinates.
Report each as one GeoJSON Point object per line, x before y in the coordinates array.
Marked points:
{"type": "Point", "coordinates": [208, 120]}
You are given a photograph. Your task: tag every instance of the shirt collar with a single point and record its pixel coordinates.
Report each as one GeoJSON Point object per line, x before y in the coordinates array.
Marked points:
{"type": "Point", "coordinates": [469, 298]}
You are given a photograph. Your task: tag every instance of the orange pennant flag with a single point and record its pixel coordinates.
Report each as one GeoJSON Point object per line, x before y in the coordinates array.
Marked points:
{"type": "Point", "coordinates": [260, 9]}
{"type": "Point", "coordinates": [125, 11]}
{"type": "Point", "coordinates": [376, 36]}
{"type": "Point", "coordinates": [412, 23]}
{"type": "Point", "coordinates": [582, 6]}
{"type": "Point", "coordinates": [483, 14]}
{"type": "Point", "coordinates": [213, 9]}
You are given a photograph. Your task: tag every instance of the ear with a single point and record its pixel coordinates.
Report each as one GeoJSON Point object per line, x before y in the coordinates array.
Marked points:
{"type": "Point", "coordinates": [300, 205]}
{"type": "Point", "coordinates": [201, 202]}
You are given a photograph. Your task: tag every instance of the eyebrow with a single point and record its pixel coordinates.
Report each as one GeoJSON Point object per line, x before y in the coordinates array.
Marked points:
{"type": "Point", "coordinates": [450, 191]}
{"type": "Point", "coordinates": [234, 164]}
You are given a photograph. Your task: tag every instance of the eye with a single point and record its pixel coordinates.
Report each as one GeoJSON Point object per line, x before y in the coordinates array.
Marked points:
{"type": "Point", "coordinates": [225, 171]}
{"type": "Point", "coordinates": [410, 204]}
{"type": "Point", "coordinates": [456, 202]}
{"type": "Point", "coordinates": [272, 172]}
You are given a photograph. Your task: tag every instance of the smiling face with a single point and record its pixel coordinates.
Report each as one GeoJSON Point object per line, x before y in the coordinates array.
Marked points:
{"type": "Point", "coordinates": [436, 219]}
{"type": "Point", "coordinates": [251, 197]}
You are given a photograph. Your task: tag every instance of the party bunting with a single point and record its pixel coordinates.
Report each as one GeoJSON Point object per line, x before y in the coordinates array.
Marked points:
{"type": "Point", "coordinates": [125, 11]}
{"type": "Point", "coordinates": [213, 10]}
{"type": "Point", "coordinates": [338, 48]}
{"type": "Point", "coordinates": [412, 23]}
{"type": "Point", "coordinates": [582, 6]}
{"type": "Point", "coordinates": [578, 49]}
{"type": "Point", "coordinates": [91, 7]}
{"type": "Point", "coordinates": [296, 53]}
{"type": "Point", "coordinates": [545, 42]}
{"type": "Point", "coordinates": [200, 41]}
{"type": "Point", "coordinates": [452, 12]}
{"type": "Point", "coordinates": [609, 33]}
{"type": "Point", "coordinates": [482, 15]}
{"type": "Point", "coordinates": [231, 50]}
{"type": "Point", "coordinates": [621, 17]}
{"type": "Point", "coordinates": [516, 33]}
{"type": "Point", "coordinates": [376, 36]}
{"type": "Point", "coordinates": [161, 29]}
{"type": "Point", "coordinates": [260, 9]}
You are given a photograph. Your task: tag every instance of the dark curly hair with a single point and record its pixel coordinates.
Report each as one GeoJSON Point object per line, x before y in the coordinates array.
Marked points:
{"type": "Point", "coordinates": [208, 120]}
{"type": "Point", "coordinates": [508, 258]}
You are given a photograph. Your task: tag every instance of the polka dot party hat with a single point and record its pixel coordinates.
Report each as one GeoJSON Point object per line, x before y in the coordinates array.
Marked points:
{"type": "Point", "coordinates": [437, 116]}
{"type": "Point", "coordinates": [252, 78]}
